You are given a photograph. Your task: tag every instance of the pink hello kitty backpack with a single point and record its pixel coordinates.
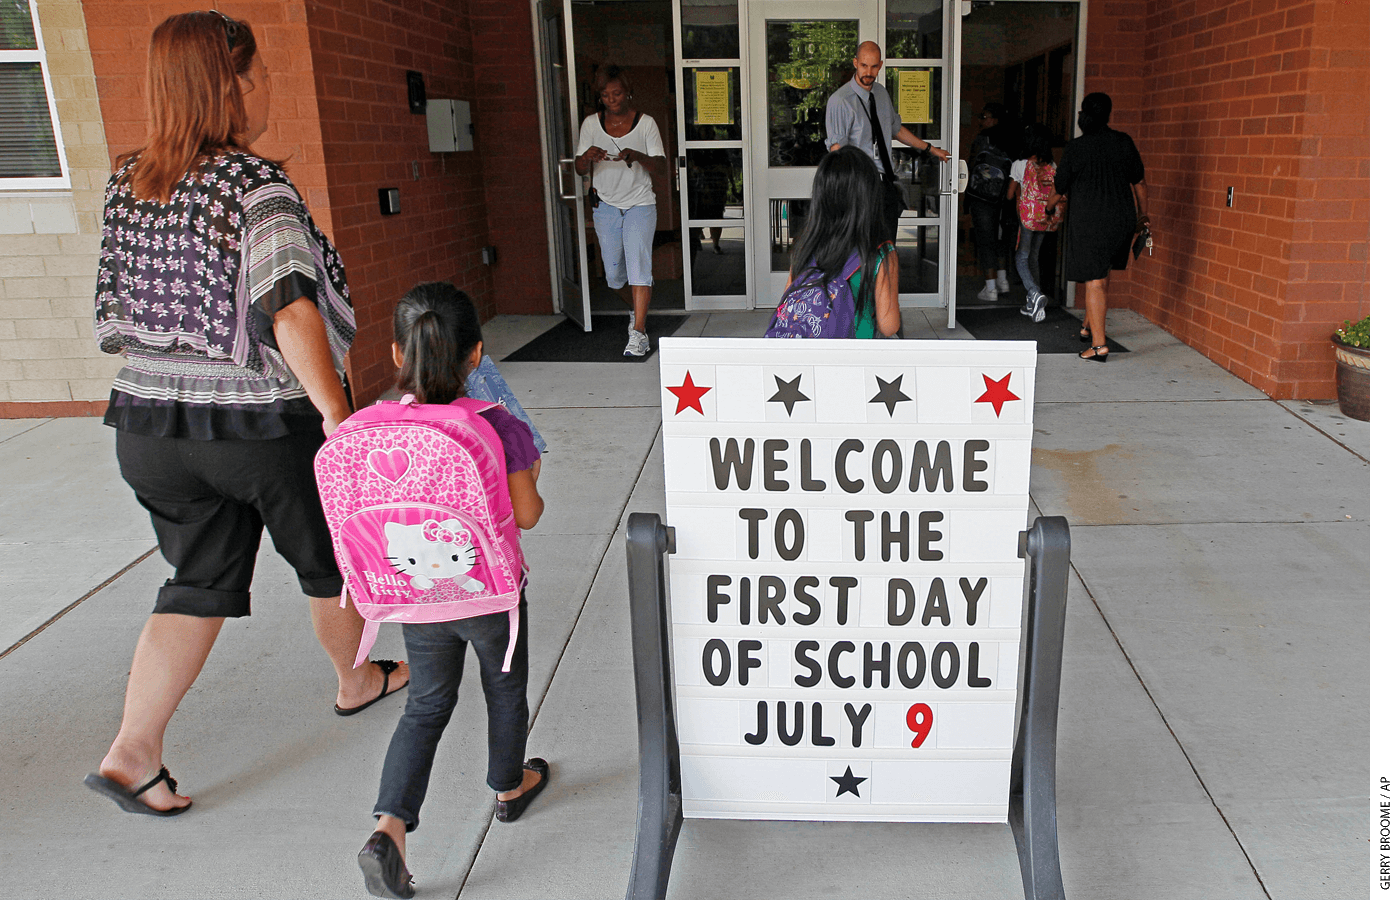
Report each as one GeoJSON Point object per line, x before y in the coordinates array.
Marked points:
{"type": "Point", "coordinates": [419, 510]}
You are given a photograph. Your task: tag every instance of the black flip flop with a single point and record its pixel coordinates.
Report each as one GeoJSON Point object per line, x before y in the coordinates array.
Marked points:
{"type": "Point", "coordinates": [127, 799]}
{"type": "Point", "coordinates": [388, 666]}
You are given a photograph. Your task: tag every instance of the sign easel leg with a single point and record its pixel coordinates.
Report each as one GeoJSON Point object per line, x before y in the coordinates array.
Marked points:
{"type": "Point", "coordinates": [659, 812]}
{"type": "Point", "coordinates": [1032, 807]}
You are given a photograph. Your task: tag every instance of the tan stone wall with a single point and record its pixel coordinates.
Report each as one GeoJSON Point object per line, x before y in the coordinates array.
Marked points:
{"type": "Point", "coordinates": [49, 241]}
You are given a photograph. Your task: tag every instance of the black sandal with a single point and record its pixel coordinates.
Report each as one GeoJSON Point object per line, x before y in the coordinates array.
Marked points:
{"type": "Point", "coordinates": [127, 799]}
{"type": "Point", "coordinates": [1085, 336]}
{"type": "Point", "coordinates": [388, 667]}
{"type": "Point", "coordinates": [1095, 355]}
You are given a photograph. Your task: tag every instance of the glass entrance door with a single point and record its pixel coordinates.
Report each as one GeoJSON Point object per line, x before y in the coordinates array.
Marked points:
{"type": "Point", "coordinates": [799, 54]}
{"type": "Point", "coordinates": [566, 219]}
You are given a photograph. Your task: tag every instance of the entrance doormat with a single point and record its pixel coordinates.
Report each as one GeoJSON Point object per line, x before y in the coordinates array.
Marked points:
{"type": "Point", "coordinates": [1059, 333]}
{"type": "Point", "coordinates": [566, 342]}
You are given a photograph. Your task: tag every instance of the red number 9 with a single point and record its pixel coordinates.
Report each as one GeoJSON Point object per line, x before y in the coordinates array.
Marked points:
{"type": "Point", "coordinates": [920, 721]}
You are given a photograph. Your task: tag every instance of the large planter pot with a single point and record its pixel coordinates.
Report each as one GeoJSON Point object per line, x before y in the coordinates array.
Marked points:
{"type": "Point", "coordinates": [1353, 380]}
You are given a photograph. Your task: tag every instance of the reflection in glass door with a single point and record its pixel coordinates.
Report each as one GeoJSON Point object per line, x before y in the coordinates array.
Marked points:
{"type": "Point", "coordinates": [566, 218]}
{"type": "Point", "coordinates": [800, 53]}
{"type": "Point", "coordinates": [711, 159]}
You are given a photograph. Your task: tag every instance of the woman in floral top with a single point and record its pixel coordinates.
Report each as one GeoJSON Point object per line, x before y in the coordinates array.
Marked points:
{"type": "Point", "coordinates": [230, 308]}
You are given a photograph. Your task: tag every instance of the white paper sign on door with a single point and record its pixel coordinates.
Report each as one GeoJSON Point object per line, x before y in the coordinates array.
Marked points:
{"type": "Point", "coordinates": [846, 593]}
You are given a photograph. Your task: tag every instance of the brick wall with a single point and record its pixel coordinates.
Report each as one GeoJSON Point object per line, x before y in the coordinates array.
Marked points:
{"type": "Point", "coordinates": [360, 52]}
{"type": "Point", "coordinates": [1329, 278]}
{"type": "Point", "coordinates": [1268, 97]}
{"type": "Point", "coordinates": [49, 363]}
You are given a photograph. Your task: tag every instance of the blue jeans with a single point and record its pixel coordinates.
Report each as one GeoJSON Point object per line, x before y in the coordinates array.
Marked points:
{"type": "Point", "coordinates": [625, 234]}
{"type": "Point", "coordinates": [437, 655]}
{"type": "Point", "coordinates": [1028, 260]}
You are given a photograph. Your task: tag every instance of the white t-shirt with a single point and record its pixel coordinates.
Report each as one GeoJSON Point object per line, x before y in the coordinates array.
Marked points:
{"type": "Point", "coordinates": [1018, 171]}
{"type": "Point", "coordinates": [617, 183]}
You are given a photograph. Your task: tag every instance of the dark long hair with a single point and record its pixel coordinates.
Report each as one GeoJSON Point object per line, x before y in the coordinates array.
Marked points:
{"type": "Point", "coordinates": [194, 101]}
{"type": "Point", "coordinates": [845, 216]}
{"type": "Point", "coordinates": [436, 328]}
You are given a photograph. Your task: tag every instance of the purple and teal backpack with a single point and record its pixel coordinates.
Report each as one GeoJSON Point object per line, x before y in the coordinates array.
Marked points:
{"type": "Point", "coordinates": [807, 310]}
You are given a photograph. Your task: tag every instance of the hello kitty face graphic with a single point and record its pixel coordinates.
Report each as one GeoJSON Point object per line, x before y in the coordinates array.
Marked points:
{"type": "Point", "coordinates": [432, 551]}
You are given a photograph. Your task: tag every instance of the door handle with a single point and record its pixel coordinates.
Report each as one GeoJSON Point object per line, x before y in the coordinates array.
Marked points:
{"type": "Point", "coordinates": [563, 191]}
{"type": "Point", "coordinates": [958, 183]}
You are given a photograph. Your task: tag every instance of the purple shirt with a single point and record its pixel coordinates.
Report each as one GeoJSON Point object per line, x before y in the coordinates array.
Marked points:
{"type": "Point", "coordinates": [516, 441]}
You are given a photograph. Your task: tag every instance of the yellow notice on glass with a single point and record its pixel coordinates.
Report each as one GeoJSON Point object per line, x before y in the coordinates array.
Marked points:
{"type": "Point", "coordinates": [712, 98]}
{"type": "Point", "coordinates": [914, 96]}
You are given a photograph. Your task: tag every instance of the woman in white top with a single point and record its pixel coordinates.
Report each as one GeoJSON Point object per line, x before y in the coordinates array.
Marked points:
{"type": "Point", "coordinates": [623, 150]}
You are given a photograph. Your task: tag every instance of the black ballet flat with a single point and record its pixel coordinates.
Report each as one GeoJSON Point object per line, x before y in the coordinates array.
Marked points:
{"type": "Point", "coordinates": [1095, 355]}
{"type": "Point", "coordinates": [510, 810]}
{"type": "Point", "coordinates": [384, 869]}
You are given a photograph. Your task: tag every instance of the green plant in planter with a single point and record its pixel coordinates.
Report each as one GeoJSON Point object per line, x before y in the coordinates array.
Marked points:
{"type": "Point", "coordinates": [1356, 334]}
{"type": "Point", "coordinates": [1352, 344]}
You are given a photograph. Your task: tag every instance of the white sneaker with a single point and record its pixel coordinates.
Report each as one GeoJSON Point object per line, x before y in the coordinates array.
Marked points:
{"type": "Point", "coordinates": [987, 295]}
{"type": "Point", "coordinates": [637, 344]}
{"type": "Point", "coordinates": [1038, 311]}
{"type": "Point", "coordinates": [1003, 286]}
{"type": "Point", "coordinates": [1029, 308]}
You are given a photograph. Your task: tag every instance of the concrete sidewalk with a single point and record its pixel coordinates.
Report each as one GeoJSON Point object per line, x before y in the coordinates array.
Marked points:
{"type": "Point", "coordinates": [1214, 713]}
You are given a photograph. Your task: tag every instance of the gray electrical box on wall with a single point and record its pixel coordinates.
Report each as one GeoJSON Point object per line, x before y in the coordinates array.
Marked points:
{"type": "Point", "coordinates": [449, 126]}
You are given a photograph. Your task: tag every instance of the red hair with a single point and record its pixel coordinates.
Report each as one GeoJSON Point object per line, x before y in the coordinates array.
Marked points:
{"type": "Point", "coordinates": [194, 100]}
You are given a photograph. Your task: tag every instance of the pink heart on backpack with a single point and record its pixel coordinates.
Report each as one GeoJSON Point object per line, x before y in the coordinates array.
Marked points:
{"type": "Point", "coordinates": [391, 465]}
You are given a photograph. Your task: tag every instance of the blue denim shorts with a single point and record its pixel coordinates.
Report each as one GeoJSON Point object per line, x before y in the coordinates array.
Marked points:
{"type": "Point", "coordinates": [625, 233]}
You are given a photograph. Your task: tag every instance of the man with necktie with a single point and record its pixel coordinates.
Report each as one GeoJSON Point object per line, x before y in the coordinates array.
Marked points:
{"type": "Point", "coordinates": [861, 114]}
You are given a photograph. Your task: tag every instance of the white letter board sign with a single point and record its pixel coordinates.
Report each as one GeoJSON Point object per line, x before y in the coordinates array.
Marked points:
{"type": "Point", "coordinates": [846, 593]}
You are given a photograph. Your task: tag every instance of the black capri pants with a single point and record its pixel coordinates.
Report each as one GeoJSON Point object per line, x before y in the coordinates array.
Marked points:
{"type": "Point", "coordinates": [209, 501]}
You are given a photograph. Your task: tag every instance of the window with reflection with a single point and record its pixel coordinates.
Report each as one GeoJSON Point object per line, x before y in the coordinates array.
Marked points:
{"type": "Point", "coordinates": [786, 219]}
{"type": "Point", "coordinates": [917, 246]}
{"type": "Point", "coordinates": [807, 61]}
{"type": "Point", "coordinates": [714, 181]}
{"type": "Point", "coordinates": [710, 29]}
{"type": "Point", "coordinates": [914, 29]}
{"type": "Point", "coordinates": [717, 263]}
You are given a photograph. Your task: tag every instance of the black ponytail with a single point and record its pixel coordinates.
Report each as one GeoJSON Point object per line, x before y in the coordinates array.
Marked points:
{"type": "Point", "coordinates": [436, 328]}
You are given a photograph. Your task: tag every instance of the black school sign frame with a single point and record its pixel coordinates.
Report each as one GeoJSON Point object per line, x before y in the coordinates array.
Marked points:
{"type": "Point", "coordinates": [847, 591]}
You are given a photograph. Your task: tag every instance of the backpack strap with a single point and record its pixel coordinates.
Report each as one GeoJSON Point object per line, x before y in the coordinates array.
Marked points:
{"type": "Point", "coordinates": [367, 638]}
{"type": "Point", "coordinates": [852, 265]}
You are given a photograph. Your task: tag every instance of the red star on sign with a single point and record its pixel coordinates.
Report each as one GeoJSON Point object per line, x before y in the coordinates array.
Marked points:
{"type": "Point", "coordinates": [997, 392]}
{"type": "Point", "coordinates": [688, 395]}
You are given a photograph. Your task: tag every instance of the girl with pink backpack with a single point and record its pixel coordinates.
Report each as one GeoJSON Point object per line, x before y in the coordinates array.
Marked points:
{"type": "Point", "coordinates": [425, 497]}
{"type": "Point", "coordinates": [1040, 210]}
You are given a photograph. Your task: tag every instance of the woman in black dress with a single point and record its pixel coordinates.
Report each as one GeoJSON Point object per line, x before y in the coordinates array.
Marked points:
{"type": "Point", "coordinates": [1101, 173]}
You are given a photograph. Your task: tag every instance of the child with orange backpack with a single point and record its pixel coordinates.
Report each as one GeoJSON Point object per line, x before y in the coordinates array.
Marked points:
{"type": "Point", "coordinates": [1040, 210]}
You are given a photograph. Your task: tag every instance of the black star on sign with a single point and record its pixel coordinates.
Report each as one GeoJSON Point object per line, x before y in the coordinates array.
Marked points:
{"type": "Point", "coordinates": [848, 783]}
{"type": "Point", "coordinates": [890, 394]}
{"type": "Point", "coordinates": [788, 394]}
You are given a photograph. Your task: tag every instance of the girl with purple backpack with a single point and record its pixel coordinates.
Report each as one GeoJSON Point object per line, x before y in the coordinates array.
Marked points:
{"type": "Point", "coordinates": [844, 278]}
{"type": "Point", "coordinates": [437, 343]}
